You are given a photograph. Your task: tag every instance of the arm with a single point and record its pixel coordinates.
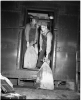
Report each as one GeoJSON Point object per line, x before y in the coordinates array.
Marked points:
{"type": "Point", "coordinates": [27, 32]}
{"type": "Point", "coordinates": [36, 35]}
{"type": "Point", "coordinates": [27, 29]}
{"type": "Point", "coordinates": [49, 39]}
{"type": "Point", "coordinates": [41, 42]}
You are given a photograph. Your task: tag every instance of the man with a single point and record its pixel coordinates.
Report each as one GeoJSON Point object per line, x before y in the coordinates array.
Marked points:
{"type": "Point", "coordinates": [31, 32]}
{"type": "Point", "coordinates": [45, 43]}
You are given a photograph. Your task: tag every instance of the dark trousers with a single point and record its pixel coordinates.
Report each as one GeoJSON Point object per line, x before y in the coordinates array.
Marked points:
{"type": "Point", "coordinates": [41, 56]}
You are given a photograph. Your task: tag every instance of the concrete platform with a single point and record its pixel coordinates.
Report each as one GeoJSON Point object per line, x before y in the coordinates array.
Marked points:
{"type": "Point", "coordinates": [32, 93]}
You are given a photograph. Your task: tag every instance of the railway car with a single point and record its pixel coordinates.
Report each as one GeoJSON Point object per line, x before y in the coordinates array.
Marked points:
{"type": "Point", "coordinates": [64, 21]}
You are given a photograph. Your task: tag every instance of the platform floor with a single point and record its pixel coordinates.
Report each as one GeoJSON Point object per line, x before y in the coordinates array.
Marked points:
{"type": "Point", "coordinates": [32, 93]}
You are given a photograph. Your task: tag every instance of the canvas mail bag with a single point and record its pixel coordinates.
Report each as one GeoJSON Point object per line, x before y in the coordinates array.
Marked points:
{"type": "Point", "coordinates": [30, 58]}
{"type": "Point", "coordinates": [45, 77]}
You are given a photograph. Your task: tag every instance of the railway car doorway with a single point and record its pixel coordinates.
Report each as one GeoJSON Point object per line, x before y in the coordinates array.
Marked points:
{"type": "Point", "coordinates": [43, 16]}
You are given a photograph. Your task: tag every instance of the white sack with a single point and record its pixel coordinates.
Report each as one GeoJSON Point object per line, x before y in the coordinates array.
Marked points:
{"type": "Point", "coordinates": [45, 77]}
{"type": "Point", "coordinates": [30, 58]}
{"type": "Point", "coordinates": [7, 80]}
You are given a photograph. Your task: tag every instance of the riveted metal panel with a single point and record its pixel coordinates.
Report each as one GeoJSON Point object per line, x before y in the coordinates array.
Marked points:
{"type": "Point", "coordinates": [66, 48]}
{"type": "Point", "coordinates": [10, 5]}
{"type": "Point", "coordinates": [10, 19]}
{"type": "Point", "coordinates": [9, 43]}
{"type": "Point", "coordinates": [65, 66]}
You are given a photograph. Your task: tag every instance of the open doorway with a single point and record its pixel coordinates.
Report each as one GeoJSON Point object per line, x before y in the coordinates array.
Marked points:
{"type": "Point", "coordinates": [43, 16]}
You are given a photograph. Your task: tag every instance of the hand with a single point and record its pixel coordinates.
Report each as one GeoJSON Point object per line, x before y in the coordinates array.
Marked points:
{"type": "Point", "coordinates": [47, 56]}
{"type": "Point", "coordinates": [32, 43]}
{"type": "Point", "coordinates": [40, 50]}
{"type": "Point", "coordinates": [35, 42]}
{"type": "Point", "coordinates": [46, 60]}
{"type": "Point", "coordinates": [27, 44]}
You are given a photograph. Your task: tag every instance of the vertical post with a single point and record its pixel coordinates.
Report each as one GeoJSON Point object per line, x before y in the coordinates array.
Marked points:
{"type": "Point", "coordinates": [54, 47]}
{"type": "Point", "coordinates": [54, 44]}
{"type": "Point", "coordinates": [77, 53]}
{"type": "Point", "coordinates": [76, 73]}
{"type": "Point", "coordinates": [54, 53]}
{"type": "Point", "coordinates": [19, 50]}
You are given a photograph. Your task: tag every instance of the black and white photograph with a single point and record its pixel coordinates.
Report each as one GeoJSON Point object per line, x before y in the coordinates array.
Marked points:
{"type": "Point", "coordinates": [40, 49]}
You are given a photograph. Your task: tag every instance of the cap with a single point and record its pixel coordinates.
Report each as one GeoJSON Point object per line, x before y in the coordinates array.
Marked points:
{"type": "Point", "coordinates": [44, 23]}
{"type": "Point", "coordinates": [35, 17]}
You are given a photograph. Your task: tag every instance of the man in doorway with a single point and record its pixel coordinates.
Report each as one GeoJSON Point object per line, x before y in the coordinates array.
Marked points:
{"type": "Point", "coordinates": [31, 32]}
{"type": "Point", "coordinates": [45, 44]}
